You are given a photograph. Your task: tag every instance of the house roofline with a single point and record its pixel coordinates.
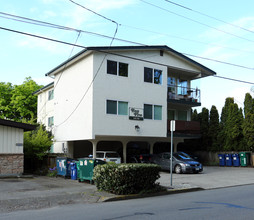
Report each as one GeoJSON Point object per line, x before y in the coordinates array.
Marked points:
{"type": "Point", "coordinates": [44, 88]}
{"type": "Point", "coordinates": [14, 124]}
{"type": "Point", "coordinates": [114, 48]}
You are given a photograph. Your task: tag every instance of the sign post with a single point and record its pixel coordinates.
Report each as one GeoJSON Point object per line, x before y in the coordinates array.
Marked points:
{"type": "Point", "coordinates": [172, 129]}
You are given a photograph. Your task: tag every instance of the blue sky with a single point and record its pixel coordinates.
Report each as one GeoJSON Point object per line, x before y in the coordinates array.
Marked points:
{"type": "Point", "coordinates": [145, 21]}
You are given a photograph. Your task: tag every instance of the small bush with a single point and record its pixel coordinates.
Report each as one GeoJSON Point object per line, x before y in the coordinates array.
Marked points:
{"type": "Point", "coordinates": [52, 172]}
{"type": "Point", "coordinates": [122, 179]}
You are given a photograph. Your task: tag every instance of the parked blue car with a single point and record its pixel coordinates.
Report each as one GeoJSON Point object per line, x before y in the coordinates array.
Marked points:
{"type": "Point", "coordinates": [182, 162]}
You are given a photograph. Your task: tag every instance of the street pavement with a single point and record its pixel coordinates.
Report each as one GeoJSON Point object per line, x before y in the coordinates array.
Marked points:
{"type": "Point", "coordinates": [44, 192]}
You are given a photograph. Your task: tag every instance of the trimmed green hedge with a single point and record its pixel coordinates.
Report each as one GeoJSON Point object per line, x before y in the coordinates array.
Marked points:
{"type": "Point", "coordinates": [122, 179]}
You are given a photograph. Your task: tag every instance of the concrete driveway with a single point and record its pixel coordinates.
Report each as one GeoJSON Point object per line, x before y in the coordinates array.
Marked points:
{"type": "Point", "coordinates": [211, 177]}
{"type": "Point", "coordinates": [44, 192]}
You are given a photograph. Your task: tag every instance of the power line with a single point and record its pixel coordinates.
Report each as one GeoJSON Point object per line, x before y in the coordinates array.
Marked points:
{"type": "Point", "coordinates": [76, 45]}
{"type": "Point", "coordinates": [235, 80]}
{"type": "Point", "coordinates": [96, 13]}
{"type": "Point", "coordinates": [51, 25]}
{"type": "Point", "coordinates": [209, 16]}
{"type": "Point", "coordinates": [190, 19]}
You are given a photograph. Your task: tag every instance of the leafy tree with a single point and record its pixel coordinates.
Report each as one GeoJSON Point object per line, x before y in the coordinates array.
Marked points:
{"type": "Point", "coordinates": [18, 102]}
{"type": "Point", "coordinates": [37, 143]}
{"type": "Point", "coordinates": [6, 110]}
{"type": "Point", "coordinates": [213, 129]}
{"type": "Point", "coordinates": [23, 100]}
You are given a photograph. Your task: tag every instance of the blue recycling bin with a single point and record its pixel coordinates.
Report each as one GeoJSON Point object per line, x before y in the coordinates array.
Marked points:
{"type": "Point", "coordinates": [63, 166]}
{"type": "Point", "coordinates": [74, 170]}
{"type": "Point", "coordinates": [222, 161]}
{"type": "Point", "coordinates": [228, 158]}
{"type": "Point", "coordinates": [236, 160]}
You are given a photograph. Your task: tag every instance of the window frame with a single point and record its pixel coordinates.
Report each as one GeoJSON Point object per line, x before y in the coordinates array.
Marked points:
{"type": "Point", "coordinates": [152, 77]}
{"type": "Point", "coordinates": [51, 94]}
{"type": "Point", "coordinates": [50, 121]}
{"type": "Point", "coordinates": [117, 107]}
{"type": "Point", "coordinates": [118, 68]}
{"type": "Point", "coordinates": [153, 112]}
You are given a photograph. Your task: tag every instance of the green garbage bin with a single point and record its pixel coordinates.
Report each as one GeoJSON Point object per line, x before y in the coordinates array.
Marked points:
{"type": "Point", "coordinates": [244, 158]}
{"type": "Point", "coordinates": [86, 166]}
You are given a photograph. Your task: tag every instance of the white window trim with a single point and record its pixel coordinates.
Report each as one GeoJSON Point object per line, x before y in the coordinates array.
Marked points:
{"type": "Point", "coordinates": [153, 75]}
{"type": "Point", "coordinates": [117, 101]}
{"type": "Point", "coordinates": [153, 112]}
{"type": "Point", "coordinates": [117, 68]}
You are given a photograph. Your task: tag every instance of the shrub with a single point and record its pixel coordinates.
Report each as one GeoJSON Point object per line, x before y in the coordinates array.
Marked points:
{"type": "Point", "coordinates": [124, 179]}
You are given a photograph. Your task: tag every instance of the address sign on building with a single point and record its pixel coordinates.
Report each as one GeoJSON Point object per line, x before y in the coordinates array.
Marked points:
{"type": "Point", "coordinates": [136, 114]}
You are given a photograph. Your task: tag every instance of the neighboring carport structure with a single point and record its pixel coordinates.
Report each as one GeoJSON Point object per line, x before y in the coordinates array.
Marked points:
{"type": "Point", "coordinates": [11, 146]}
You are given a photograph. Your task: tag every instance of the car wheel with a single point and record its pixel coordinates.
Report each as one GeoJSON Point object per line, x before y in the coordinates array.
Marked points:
{"type": "Point", "coordinates": [178, 169]}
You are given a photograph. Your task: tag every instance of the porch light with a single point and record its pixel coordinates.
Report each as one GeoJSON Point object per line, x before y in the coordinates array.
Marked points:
{"type": "Point", "coordinates": [137, 128]}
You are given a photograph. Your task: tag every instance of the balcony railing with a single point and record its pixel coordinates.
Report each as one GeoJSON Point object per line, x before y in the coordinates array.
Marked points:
{"type": "Point", "coordinates": [183, 93]}
{"type": "Point", "coordinates": [186, 127]}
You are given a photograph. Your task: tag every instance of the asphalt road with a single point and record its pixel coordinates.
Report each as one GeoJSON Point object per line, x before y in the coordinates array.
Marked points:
{"type": "Point", "coordinates": [225, 203]}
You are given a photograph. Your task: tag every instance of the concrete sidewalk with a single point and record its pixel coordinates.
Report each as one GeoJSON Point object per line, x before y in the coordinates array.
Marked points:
{"type": "Point", "coordinates": [45, 192]}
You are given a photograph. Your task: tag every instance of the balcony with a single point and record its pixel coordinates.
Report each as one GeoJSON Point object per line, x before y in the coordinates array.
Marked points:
{"type": "Point", "coordinates": [184, 95]}
{"type": "Point", "coordinates": [185, 128]}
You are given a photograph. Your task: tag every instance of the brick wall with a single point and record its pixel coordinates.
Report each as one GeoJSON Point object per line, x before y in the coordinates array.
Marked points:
{"type": "Point", "coordinates": [11, 164]}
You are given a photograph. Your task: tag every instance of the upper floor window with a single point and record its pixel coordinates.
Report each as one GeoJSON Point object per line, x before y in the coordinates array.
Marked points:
{"type": "Point", "coordinates": [51, 94]}
{"type": "Point", "coordinates": [117, 68]}
{"type": "Point", "coordinates": [50, 121]}
{"type": "Point", "coordinates": [152, 75]}
{"type": "Point", "coordinates": [117, 107]}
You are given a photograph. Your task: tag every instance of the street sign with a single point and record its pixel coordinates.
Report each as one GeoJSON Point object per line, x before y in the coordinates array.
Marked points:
{"type": "Point", "coordinates": [172, 125]}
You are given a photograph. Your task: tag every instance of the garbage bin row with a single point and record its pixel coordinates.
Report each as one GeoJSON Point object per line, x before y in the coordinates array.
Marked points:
{"type": "Point", "coordinates": [236, 160]}
{"type": "Point", "coordinates": [81, 169]}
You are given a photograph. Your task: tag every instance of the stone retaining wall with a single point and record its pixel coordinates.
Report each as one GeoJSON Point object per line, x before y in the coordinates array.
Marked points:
{"type": "Point", "coordinates": [11, 164]}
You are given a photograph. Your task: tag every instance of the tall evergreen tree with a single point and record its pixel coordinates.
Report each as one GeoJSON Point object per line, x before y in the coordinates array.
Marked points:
{"type": "Point", "coordinates": [223, 119]}
{"type": "Point", "coordinates": [233, 128]}
{"type": "Point", "coordinates": [248, 124]}
{"type": "Point", "coordinates": [204, 127]}
{"type": "Point", "coordinates": [194, 115]}
{"type": "Point", "coordinates": [248, 104]}
{"type": "Point", "coordinates": [214, 129]}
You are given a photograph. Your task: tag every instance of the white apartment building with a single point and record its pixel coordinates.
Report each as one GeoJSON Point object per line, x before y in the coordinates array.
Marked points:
{"type": "Point", "coordinates": [121, 98]}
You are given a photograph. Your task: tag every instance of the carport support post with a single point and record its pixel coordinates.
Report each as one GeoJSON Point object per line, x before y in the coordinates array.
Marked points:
{"type": "Point", "coordinates": [94, 142]}
{"type": "Point", "coordinates": [172, 129]}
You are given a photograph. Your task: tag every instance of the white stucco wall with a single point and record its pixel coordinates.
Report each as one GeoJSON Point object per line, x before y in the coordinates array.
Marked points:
{"type": "Point", "coordinates": [45, 107]}
{"type": "Point", "coordinates": [133, 90]}
{"type": "Point", "coordinates": [11, 140]}
{"type": "Point", "coordinates": [73, 102]}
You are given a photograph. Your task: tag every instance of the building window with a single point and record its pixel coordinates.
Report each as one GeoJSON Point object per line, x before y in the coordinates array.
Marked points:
{"type": "Point", "coordinates": [117, 107]}
{"type": "Point", "coordinates": [157, 112]}
{"type": "Point", "coordinates": [111, 107]}
{"type": "Point", "coordinates": [153, 112]}
{"type": "Point", "coordinates": [171, 114]}
{"type": "Point", "coordinates": [51, 94]}
{"type": "Point", "coordinates": [148, 111]}
{"type": "Point", "coordinates": [152, 75]}
{"type": "Point", "coordinates": [50, 121]}
{"type": "Point", "coordinates": [148, 75]}
{"type": "Point", "coordinates": [122, 108]}
{"type": "Point", "coordinates": [182, 115]}
{"type": "Point", "coordinates": [117, 68]}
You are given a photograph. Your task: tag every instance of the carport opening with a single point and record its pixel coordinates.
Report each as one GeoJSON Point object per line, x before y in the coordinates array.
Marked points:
{"type": "Point", "coordinates": [111, 146]}
{"type": "Point", "coordinates": [160, 147]}
{"type": "Point", "coordinates": [137, 148]}
{"type": "Point", "coordinates": [82, 149]}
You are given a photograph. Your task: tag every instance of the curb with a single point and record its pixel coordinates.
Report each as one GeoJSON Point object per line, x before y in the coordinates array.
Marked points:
{"type": "Point", "coordinates": [139, 196]}
{"type": "Point", "coordinates": [8, 176]}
